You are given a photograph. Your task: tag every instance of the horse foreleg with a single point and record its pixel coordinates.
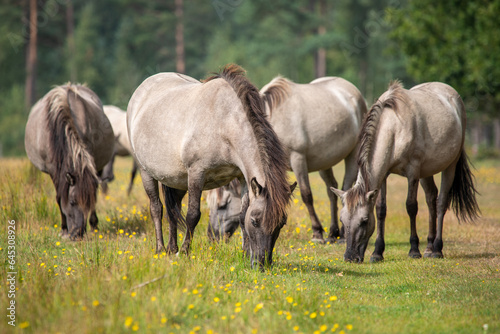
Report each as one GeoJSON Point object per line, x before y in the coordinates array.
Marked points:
{"type": "Point", "coordinates": [64, 225]}
{"type": "Point", "coordinates": [107, 174]}
{"type": "Point", "coordinates": [245, 202]}
{"type": "Point", "coordinates": [132, 177]}
{"type": "Point", "coordinates": [93, 220]}
{"type": "Point", "coordinates": [447, 177]}
{"type": "Point", "coordinates": [351, 170]}
{"type": "Point", "coordinates": [335, 234]}
{"type": "Point", "coordinates": [156, 207]}
{"type": "Point", "coordinates": [381, 208]}
{"type": "Point", "coordinates": [195, 187]}
{"type": "Point", "coordinates": [412, 209]}
{"type": "Point", "coordinates": [431, 192]}
{"type": "Point", "coordinates": [299, 167]}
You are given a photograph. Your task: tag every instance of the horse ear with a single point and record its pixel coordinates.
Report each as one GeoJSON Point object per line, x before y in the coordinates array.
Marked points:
{"type": "Point", "coordinates": [70, 179]}
{"type": "Point", "coordinates": [340, 194]}
{"type": "Point", "coordinates": [256, 187]}
{"type": "Point", "coordinates": [371, 195]}
{"type": "Point", "coordinates": [293, 186]}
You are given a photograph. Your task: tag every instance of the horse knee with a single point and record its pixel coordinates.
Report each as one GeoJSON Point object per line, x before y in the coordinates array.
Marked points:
{"type": "Point", "coordinates": [307, 197]}
{"type": "Point", "coordinates": [412, 208]}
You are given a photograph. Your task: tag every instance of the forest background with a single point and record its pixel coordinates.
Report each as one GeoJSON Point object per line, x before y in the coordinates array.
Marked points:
{"type": "Point", "coordinates": [113, 45]}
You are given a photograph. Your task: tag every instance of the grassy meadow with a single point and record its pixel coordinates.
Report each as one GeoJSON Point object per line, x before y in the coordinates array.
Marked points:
{"type": "Point", "coordinates": [112, 281]}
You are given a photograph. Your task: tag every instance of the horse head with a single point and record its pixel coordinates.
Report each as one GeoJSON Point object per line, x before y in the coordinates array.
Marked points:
{"type": "Point", "coordinates": [358, 219]}
{"type": "Point", "coordinates": [263, 224]}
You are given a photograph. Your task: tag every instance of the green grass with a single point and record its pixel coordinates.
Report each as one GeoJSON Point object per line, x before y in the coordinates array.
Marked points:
{"type": "Point", "coordinates": [105, 283]}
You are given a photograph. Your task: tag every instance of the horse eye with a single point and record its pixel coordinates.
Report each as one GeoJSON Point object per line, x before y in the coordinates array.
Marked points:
{"type": "Point", "coordinates": [364, 220]}
{"type": "Point", "coordinates": [254, 223]}
{"type": "Point", "coordinates": [223, 207]}
{"type": "Point", "coordinates": [73, 203]}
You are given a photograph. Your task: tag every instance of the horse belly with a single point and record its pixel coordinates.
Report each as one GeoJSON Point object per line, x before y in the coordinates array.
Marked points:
{"type": "Point", "coordinates": [329, 148]}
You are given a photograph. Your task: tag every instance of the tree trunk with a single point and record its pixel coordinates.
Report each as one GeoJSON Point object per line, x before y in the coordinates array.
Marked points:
{"type": "Point", "coordinates": [320, 59]}
{"type": "Point", "coordinates": [31, 58]}
{"type": "Point", "coordinates": [70, 29]}
{"type": "Point", "coordinates": [477, 136]}
{"type": "Point", "coordinates": [179, 37]}
{"type": "Point", "coordinates": [496, 133]}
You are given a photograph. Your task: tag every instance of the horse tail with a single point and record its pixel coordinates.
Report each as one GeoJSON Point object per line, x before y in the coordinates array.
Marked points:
{"type": "Point", "coordinates": [173, 206]}
{"type": "Point", "coordinates": [463, 192]}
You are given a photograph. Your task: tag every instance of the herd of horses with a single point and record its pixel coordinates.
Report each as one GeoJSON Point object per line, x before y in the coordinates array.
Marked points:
{"type": "Point", "coordinates": [224, 135]}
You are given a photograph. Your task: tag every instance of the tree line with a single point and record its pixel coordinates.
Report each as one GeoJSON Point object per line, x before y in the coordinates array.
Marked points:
{"type": "Point", "coordinates": [113, 45]}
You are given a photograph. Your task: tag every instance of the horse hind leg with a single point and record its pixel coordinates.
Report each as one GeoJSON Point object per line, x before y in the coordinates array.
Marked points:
{"type": "Point", "coordinates": [132, 177]}
{"type": "Point", "coordinates": [173, 204]}
{"type": "Point", "coordinates": [431, 193]}
{"type": "Point", "coordinates": [412, 209]}
{"type": "Point", "coordinates": [299, 167]}
{"type": "Point", "coordinates": [335, 234]}
{"type": "Point", "coordinates": [195, 188]}
{"type": "Point", "coordinates": [156, 207]}
{"type": "Point", "coordinates": [447, 177]}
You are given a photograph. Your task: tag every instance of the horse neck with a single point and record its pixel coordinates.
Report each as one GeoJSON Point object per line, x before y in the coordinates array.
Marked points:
{"type": "Point", "coordinates": [378, 162]}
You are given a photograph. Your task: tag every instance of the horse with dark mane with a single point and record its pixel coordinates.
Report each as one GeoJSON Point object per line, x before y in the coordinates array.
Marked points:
{"type": "Point", "coordinates": [69, 137]}
{"type": "Point", "coordinates": [414, 133]}
{"type": "Point", "coordinates": [318, 123]}
{"type": "Point", "coordinates": [193, 136]}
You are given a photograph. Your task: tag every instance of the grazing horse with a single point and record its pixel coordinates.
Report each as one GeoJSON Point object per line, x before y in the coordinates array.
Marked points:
{"type": "Point", "coordinates": [318, 123]}
{"type": "Point", "coordinates": [194, 136]}
{"type": "Point", "coordinates": [122, 148]}
{"type": "Point", "coordinates": [225, 207]}
{"type": "Point", "coordinates": [69, 137]}
{"type": "Point", "coordinates": [414, 133]}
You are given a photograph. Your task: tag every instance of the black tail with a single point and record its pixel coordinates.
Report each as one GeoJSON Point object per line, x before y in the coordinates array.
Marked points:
{"type": "Point", "coordinates": [173, 206]}
{"type": "Point", "coordinates": [463, 192]}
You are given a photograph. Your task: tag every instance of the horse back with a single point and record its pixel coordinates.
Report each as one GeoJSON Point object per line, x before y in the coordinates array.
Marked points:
{"type": "Point", "coordinates": [315, 115]}
{"type": "Point", "coordinates": [176, 123]}
{"type": "Point", "coordinates": [92, 124]}
{"type": "Point", "coordinates": [429, 126]}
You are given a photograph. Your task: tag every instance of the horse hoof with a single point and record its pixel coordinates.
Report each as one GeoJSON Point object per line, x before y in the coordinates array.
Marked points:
{"type": "Point", "coordinates": [427, 254]}
{"type": "Point", "coordinates": [437, 255]}
{"type": "Point", "coordinates": [318, 241]}
{"type": "Point", "coordinates": [415, 255]}
{"type": "Point", "coordinates": [331, 240]}
{"type": "Point", "coordinates": [376, 258]}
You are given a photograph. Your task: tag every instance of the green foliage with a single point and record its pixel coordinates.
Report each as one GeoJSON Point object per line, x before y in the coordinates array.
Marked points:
{"type": "Point", "coordinates": [454, 42]}
{"type": "Point", "coordinates": [12, 121]}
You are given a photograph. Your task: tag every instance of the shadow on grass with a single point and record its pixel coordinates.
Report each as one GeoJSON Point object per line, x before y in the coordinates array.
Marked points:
{"type": "Point", "coordinates": [473, 256]}
{"type": "Point", "coordinates": [323, 269]}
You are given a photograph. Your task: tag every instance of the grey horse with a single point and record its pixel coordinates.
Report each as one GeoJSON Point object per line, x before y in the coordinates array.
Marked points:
{"type": "Point", "coordinates": [194, 136]}
{"type": "Point", "coordinates": [69, 137]}
{"type": "Point", "coordinates": [122, 148]}
{"type": "Point", "coordinates": [414, 133]}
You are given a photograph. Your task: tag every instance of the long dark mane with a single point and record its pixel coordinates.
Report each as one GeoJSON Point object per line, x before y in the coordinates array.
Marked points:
{"type": "Point", "coordinates": [272, 153]}
{"type": "Point", "coordinates": [394, 96]}
{"type": "Point", "coordinates": [276, 92]}
{"type": "Point", "coordinates": [70, 154]}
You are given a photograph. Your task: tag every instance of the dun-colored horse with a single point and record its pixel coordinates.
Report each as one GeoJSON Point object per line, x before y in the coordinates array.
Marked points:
{"type": "Point", "coordinates": [225, 207]}
{"type": "Point", "coordinates": [69, 137]}
{"type": "Point", "coordinates": [122, 148]}
{"type": "Point", "coordinates": [414, 133]}
{"type": "Point", "coordinates": [192, 136]}
{"type": "Point", "coordinates": [318, 123]}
